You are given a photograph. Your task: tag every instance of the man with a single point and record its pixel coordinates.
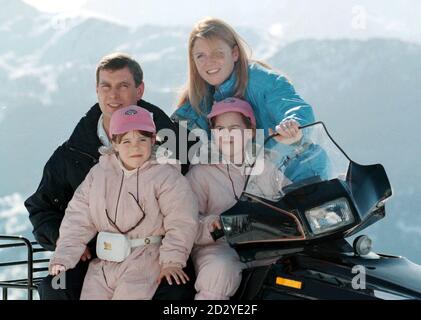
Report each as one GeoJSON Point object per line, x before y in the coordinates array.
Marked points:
{"type": "Point", "coordinates": [119, 83]}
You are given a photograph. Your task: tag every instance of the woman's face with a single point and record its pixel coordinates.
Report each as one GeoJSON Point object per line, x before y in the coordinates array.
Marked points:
{"type": "Point", "coordinates": [230, 135]}
{"type": "Point", "coordinates": [214, 59]}
{"type": "Point", "coordinates": [134, 149]}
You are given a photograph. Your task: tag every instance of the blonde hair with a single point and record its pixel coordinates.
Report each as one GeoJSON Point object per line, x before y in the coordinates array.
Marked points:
{"type": "Point", "coordinates": [196, 88]}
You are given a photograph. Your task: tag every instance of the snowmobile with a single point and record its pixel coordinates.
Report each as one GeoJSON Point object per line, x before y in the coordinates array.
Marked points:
{"type": "Point", "coordinates": [302, 228]}
{"type": "Point", "coordinates": [293, 237]}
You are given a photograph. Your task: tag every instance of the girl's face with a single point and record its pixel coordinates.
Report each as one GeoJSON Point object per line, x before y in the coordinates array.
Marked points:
{"type": "Point", "coordinates": [214, 60]}
{"type": "Point", "coordinates": [134, 149]}
{"type": "Point", "coordinates": [230, 135]}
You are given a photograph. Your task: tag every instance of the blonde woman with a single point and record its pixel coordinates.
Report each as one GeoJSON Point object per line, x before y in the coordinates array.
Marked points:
{"type": "Point", "coordinates": [219, 67]}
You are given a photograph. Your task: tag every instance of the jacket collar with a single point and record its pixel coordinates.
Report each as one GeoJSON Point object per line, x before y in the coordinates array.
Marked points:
{"type": "Point", "coordinates": [195, 120]}
{"type": "Point", "coordinates": [226, 89]}
{"type": "Point", "coordinates": [84, 137]}
{"type": "Point", "coordinates": [102, 135]}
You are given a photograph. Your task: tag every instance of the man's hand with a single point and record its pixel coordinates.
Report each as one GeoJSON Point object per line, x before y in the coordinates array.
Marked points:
{"type": "Point", "coordinates": [288, 132]}
{"type": "Point", "coordinates": [86, 255]}
{"type": "Point", "coordinates": [175, 272]}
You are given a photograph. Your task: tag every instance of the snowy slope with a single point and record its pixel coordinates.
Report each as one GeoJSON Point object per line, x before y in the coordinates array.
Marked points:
{"type": "Point", "coordinates": [13, 221]}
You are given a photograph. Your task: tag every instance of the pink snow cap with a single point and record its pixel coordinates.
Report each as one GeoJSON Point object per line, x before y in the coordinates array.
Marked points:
{"type": "Point", "coordinates": [233, 105]}
{"type": "Point", "coordinates": [131, 118]}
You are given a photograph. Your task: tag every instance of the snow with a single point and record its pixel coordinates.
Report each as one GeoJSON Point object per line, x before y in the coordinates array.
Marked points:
{"type": "Point", "coordinates": [14, 221]}
{"type": "Point", "coordinates": [156, 56]}
{"type": "Point", "coordinates": [8, 25]}
{"type": "Point", "coordinates": [13, 215]}
{"type": "Point", "coordinates": [408, 229]}
{"type": "Point", "coordinates": [2, 111]}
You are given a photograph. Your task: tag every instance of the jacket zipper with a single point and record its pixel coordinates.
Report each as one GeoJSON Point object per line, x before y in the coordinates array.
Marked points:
{"type": "Point", "coordinates": [95, 160]}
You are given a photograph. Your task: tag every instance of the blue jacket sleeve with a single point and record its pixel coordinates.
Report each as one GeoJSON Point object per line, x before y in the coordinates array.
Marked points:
{"type": "Point", "coordinates": [282, 102]}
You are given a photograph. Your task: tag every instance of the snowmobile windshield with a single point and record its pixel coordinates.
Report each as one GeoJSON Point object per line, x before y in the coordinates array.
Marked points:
{"type": "Point", "coordinates": [280, 168]}
{"type": "Point", "coordinates": [305, 190]}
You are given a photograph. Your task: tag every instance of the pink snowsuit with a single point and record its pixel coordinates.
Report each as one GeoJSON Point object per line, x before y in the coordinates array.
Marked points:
{"type": "Point", "coordinates": [170, 210]}
{"type": "Point", "coordinates": [218, 266]}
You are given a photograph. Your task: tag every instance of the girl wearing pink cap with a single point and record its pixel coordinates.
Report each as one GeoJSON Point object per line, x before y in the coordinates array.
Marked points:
{"type": "Point", "coordinates": [133, 202]}
{"type": "Point", "coordinates": [218, 187]}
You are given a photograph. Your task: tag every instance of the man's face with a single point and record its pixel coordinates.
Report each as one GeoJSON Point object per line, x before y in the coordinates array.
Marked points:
{"type": "Point", "coordinates": [116, 89]}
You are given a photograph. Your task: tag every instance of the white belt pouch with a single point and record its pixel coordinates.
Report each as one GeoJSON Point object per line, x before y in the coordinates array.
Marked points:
{"type": "Point", "coordinates": [116, 247]}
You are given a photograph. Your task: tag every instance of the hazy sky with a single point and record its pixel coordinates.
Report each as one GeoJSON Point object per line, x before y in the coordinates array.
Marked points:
{"type": "Point", "coordinates": [286, 18]}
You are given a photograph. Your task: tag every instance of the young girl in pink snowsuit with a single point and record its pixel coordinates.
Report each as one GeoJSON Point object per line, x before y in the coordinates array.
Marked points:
{"type": "Point", "coordinates": [145, 213]}
{"type": "Point", "coordinates": [218, 187]}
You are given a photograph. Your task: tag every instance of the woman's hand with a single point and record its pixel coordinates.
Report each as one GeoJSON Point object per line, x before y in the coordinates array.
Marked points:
{"type": "Point", "coordinates": [175, 272]}
{"type": "Point", "coordinates": [288, 132]}
{"type": "Point", "coordinates": [55, 269]}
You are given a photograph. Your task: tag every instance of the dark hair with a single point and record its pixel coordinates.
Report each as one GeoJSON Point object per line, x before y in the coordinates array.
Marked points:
{"type": "Point", "coordinates": [116, 138]}
{"type": "Point", "coordinates": [117, 61]}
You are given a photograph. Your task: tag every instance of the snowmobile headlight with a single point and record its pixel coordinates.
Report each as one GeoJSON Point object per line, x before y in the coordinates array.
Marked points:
{"type": "Point", "coordinates": [330, 216]}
